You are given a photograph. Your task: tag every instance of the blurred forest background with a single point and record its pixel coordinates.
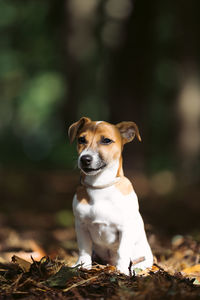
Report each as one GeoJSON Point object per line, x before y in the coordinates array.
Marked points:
{"type": "Point", "coordinates": [110, 60]}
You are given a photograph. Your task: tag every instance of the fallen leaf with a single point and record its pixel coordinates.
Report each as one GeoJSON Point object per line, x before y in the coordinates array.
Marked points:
{"type": "Point", "coordinates": [62, 276]}
{"type": "Point", "coordinates": [154, 269]}
{"type": "Point", "coordinates": [45, 267]}
{"type": "Point", "coordinates": [192, 270]}
{"type": "Point", "coordinates": [23, 264]}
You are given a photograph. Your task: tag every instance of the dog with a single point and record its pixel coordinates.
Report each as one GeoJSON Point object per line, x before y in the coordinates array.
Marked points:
{"type": "Point", "coordinates": [107, 218]}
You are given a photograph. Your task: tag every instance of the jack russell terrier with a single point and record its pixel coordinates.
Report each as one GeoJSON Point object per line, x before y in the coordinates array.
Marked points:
{"type": "Point", "coordinates": [107, 218]}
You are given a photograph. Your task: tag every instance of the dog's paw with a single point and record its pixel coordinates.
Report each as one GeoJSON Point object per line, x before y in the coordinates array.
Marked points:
{"type": "Point", "coordinates": [127, 267]}
{"type": "Point", "coordinates": [123, 267]}
{"type": "Point", "coordinates": [84, 262]}
{"type": "Point", "coordinates": [124, 270]}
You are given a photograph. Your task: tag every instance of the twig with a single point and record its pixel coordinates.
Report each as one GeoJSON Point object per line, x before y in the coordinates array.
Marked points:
{"type": "Point", "coordinates": [79, 283]}
{"type": "Point", "coordinates": [137, 260]}
{"type": "Point", "coordinates": [134, 262]}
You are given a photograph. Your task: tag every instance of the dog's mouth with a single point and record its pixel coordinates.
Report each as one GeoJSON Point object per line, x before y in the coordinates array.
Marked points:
{"type": "Point", "coordinates": [92, 171]}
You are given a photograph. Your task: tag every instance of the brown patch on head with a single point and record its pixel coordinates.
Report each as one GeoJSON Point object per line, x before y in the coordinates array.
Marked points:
{"type": "Point", "coordinates": [112, 151]}
{"type": "Point", "coordinates": [87, 131]}
{"type": "Point", "coordinates": [124, 186]}
{"type": "Point", "coordinates": [75, 127]}
{"type": "Point", "coordinates": [82, 195]}
{"type": "Point", "coordinates": [94, 132]}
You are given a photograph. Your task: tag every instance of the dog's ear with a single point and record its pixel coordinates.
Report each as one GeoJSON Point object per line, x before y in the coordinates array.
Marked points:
{"type": "Point", "coordinates": [128, 131]}
{"type": "Point", "coordinates": [75, 127]}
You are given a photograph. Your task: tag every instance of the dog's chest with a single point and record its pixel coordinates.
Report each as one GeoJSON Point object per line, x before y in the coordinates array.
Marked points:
{"type": "Point", "coordinates": [104, 213]}
{"type": "Point", "coordinates": [99, 206]}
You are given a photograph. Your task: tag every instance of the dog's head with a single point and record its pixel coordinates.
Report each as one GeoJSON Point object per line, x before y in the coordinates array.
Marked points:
{"type": "Point", "coordinates": [99, 143]}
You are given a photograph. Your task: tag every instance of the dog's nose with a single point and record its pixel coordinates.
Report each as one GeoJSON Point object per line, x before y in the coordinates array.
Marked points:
{"type": "Point", "coordinates": [86, 160]}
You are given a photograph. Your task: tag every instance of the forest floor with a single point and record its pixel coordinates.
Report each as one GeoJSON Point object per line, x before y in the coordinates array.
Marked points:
{"type": "Point", "coordinates": [38, 243]}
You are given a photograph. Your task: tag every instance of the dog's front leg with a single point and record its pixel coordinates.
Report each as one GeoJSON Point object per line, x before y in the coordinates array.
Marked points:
{"type": "Point", "coordinates": [124, 252]}
{"type": "Point", "coordinates": [84, 244]}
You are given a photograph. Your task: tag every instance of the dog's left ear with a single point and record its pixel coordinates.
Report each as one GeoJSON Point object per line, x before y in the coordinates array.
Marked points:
{"type": "Point", "coordinates": [75, 127]}
{"type": "Point", "coordinates": [128, 131]}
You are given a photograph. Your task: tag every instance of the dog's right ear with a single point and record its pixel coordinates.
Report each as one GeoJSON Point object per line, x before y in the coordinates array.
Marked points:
{"type": "Point", "coordinates": [75, 127]}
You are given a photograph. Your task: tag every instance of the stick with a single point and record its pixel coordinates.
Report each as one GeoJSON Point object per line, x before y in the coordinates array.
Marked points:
{"type": "Point", "coordinates": [79, 283]}
{"type": "Point", "coordinates": [134, 262]}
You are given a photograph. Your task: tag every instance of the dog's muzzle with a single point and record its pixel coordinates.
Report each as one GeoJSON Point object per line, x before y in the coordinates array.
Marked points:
{"type": "Point", "coordinates": [91, 164]}
{"type": "Point", "coordinates": [86, 160]}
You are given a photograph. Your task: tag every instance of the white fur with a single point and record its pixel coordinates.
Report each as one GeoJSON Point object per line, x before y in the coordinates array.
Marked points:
{"type": "Point", "coordinates": [111, 225]}
{"type": "Point", "coordinates": [105, 177]}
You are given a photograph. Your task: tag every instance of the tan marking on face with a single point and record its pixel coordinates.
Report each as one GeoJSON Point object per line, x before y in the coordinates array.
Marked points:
{"type": "Point", "coordinates": [93, 133]}
{"type": "Point", "coordinates": [124, 186]}
{"type": "Point", "coordinates": [88, 132]}
{"type": "Point", "coordinates": [74, 128]}
{"type": "Point", "coordinates": [82, 195]}
{"type": "Point", "coordinates": [120, 172]}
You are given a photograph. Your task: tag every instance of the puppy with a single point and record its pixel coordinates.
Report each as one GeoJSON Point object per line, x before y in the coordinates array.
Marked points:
{"type": "Point", "coordinates": [107, 218]}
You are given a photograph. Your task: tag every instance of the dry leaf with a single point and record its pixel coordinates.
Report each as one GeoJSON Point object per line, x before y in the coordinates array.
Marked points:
{"type": "Point", "coordinates": [154, 269]}
{"type": "Point", "coordinates": [23, 264]}
{"type": "Point", "coordinates": [62, 276]}
{"type": "Point", "coordinates": [192, 270]}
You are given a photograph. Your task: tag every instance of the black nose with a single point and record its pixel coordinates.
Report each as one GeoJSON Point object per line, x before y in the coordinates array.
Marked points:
{"type": "Point", "coordinates": [86, 160]}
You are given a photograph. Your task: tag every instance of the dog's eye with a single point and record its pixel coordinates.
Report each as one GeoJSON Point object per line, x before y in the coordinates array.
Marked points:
{"type": "Point", "coordinates": [82, 140]}
{"type": "Point", "coordinates": [106, 141]}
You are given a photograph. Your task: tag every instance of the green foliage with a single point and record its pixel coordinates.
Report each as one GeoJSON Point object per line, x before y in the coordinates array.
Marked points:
{"type": "Point", "coordinates": [32, 86]}
{"type": "Point", "coordinates": [8, 13]}
{"type": "Point", "coordinates": [38, 100]}
{"type": "Point", "coordinates": [109, 62]}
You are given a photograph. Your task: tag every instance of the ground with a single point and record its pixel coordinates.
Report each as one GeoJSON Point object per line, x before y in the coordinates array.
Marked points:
{"type": "Point", "coordinates": [38, 244]}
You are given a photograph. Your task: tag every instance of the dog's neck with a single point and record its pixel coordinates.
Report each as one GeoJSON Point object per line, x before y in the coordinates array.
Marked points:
{"type": "Point", "coordinates": [106, 178]}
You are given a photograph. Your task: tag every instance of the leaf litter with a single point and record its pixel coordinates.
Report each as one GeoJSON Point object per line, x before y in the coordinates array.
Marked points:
{"type": "Point", "coordinates": [175, 275]}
